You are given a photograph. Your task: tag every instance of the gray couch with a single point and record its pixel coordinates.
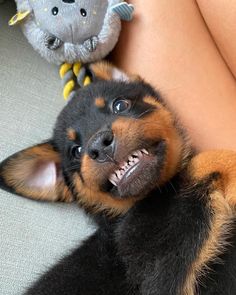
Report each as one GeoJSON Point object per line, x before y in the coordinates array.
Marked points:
{"type": "Point", "coordinates": [33, 235]}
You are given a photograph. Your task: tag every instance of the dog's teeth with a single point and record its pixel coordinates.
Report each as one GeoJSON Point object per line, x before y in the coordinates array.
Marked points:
{"type": "Point", "coordinates": [145, 151]}
{"type": "Point", "coordinates": [130, 158]}
{"type": "Point", "coordinates": [125, 167]}
{"type": "Point", "coordinates": [113, 179]}
{"type": "Point", "coordinates": [122, 166]}
{"type": "Point", "coordinates": [122, 172]}
{"type": "Point", "coordinates": [133, 159]}
{"type": "Point", "coordinates": [113, 182]}
{"type": "Point", "coordinates": [119, 174]}
{"type": "Point", "coordinates": [139, 154]}
{"type": "Point", "coordinates": [136, 160]}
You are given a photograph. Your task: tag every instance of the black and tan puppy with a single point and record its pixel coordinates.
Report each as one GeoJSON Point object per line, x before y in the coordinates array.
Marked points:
{"type": "Point", "coordinates": [165, 218]}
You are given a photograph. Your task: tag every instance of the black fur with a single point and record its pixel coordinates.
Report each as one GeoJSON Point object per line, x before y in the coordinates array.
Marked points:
{"type": "Point", "coordinates": [147, 251]}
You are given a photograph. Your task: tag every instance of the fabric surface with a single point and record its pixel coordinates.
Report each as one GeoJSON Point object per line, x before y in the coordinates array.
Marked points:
{"type": "Point", "coordinates": [33, 235]}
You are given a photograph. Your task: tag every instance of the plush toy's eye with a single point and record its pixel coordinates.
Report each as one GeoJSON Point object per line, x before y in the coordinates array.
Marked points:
{"type": "Point", "coordinates": [76, 151]}
{"type": "Point", "coordinates": [55, 10]}
{"type": "Point", "coordinates": [83, 12]}
{"type": "Point", "coordinates": [121, 105]}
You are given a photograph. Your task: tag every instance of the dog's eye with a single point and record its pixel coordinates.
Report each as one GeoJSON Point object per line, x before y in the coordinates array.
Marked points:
{"type": "Point", "coordinates": [83, 12]}
{"type": "Point", "coordinates": [121, 105]}
{"type": "Point", "coordinates": [76, 151]}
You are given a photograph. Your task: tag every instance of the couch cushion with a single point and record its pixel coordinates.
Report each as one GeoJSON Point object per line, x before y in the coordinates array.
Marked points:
{"type": "Point", "coordinates": [32, 234]}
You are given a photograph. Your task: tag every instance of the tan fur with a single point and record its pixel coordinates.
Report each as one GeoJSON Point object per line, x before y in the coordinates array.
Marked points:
{"type": "Point", "coordinates": [102, 70]}
{"type": "Point", "coordinates": [90, 194]}
{"type": "Point", "coordinates": [71, 134]}
{"type": "Point", "coordinates": [105, 70]}
{"type": "Point", "coordinates": [222, 201]}
{"type": "Point", "coordinates": [152, 101]}
{"type": "Point", "coordinates": [100, 102]}
{"type": "Point", "coordinates": [98, 201]}
{"type": "Point", "coordinates": [214, 245]}
{"type": "Point", "coordinates": [221, 161]}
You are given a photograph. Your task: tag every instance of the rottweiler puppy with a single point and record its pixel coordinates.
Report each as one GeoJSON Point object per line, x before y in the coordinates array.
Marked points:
{"type": "Point", "coordinates": [165, 216]}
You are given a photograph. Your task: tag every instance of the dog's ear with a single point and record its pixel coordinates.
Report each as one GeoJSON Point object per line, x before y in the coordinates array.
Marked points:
{"type": "Point", "coordinates": [106, 71]}
{"type": "Point", "coordinates": [35, 173]}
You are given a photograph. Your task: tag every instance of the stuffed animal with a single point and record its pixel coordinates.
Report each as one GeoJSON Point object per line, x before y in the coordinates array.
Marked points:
{"type": "Point", "coordinates": [72, 32]}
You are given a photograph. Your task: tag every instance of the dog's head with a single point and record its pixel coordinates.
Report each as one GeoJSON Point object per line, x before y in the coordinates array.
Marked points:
{"type": "Point", "coordinates": [113, 143]}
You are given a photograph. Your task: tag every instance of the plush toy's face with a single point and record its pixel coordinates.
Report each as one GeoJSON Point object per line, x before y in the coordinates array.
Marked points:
{"type": "Point", "coordinates": [72, 21]}
{"type": "Point", "coordinates": [72, 30]}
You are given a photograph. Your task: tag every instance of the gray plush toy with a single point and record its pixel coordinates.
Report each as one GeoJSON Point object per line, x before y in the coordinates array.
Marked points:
{"type": "Point", "coordinates": [72, 31]}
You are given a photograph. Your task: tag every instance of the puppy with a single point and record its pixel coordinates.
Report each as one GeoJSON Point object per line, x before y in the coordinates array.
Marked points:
{"type": "Point", "coordinates": [165, 217]}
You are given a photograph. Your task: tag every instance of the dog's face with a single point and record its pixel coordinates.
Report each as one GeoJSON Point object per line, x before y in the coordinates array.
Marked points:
{"type": "Point", "coordinates": [113, 143]}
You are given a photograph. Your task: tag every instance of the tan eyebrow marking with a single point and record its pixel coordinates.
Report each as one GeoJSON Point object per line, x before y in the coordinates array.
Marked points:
{"type": "Point", "coordinates": [71, 134]}
{"type": "Point", "coordinates": [100, 102]}
{"type": "Point", "coordinates": [152, 101]}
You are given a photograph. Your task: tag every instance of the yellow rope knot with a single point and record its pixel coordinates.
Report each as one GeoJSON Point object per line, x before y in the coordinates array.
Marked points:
{"type": "Point", "coordinates": [70, 73]}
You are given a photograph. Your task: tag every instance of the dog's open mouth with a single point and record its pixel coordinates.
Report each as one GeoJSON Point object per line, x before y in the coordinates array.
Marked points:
{"type": "Point", "coordinates": [138, 173]}
{"type": "Point", "coordinates": [130, 168]}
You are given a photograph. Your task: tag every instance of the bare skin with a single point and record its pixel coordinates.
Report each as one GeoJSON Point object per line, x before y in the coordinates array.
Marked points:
{"type": "Point", "coordinates": [182, 48]}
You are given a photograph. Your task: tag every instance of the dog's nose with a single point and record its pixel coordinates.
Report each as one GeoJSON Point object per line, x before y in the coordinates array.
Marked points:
{"type": "Point", "coordinates": [68, 1]}
{"type": "Point", "coordinates": [101, 146]}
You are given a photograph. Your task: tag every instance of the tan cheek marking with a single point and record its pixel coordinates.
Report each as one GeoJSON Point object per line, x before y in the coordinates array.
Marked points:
{"type": "Point", "coordinates": [155, 126]}
{"type": "Point", "coordinates": [159, 124]}
{"type": "Point", "coordinates": [90, 195]}
{"type": "Point", "coordinates": [71, 134]}
{"type": "Point", "coordinates": [100, 102]}
{"type": "Point", "coordinates": [97, 201]}
{"type": "Point", "coordinates": [215, 244]}
{"type": "Point", "coordinates": [91, 175]}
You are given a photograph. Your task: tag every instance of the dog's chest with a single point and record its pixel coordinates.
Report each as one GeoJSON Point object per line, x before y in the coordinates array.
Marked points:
{"type": "Point", "coordinates": [155, 237]}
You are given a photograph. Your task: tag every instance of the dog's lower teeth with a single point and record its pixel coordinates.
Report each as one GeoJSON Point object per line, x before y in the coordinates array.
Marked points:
{"type": "Point", "coordinates": [117, 176]}
{"type": "Point", "coordinates": [113, 182]}
{"type": "Point", "coordinates": [145, 151]}
{"type": "Point", "coordinates": [140, 154]}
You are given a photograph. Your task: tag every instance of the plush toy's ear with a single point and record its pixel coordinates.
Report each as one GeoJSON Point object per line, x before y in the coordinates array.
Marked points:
{"type": "Point", "coordinates": [35, 173]}
{"type": "Point", "coordinates": [106, 71]}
